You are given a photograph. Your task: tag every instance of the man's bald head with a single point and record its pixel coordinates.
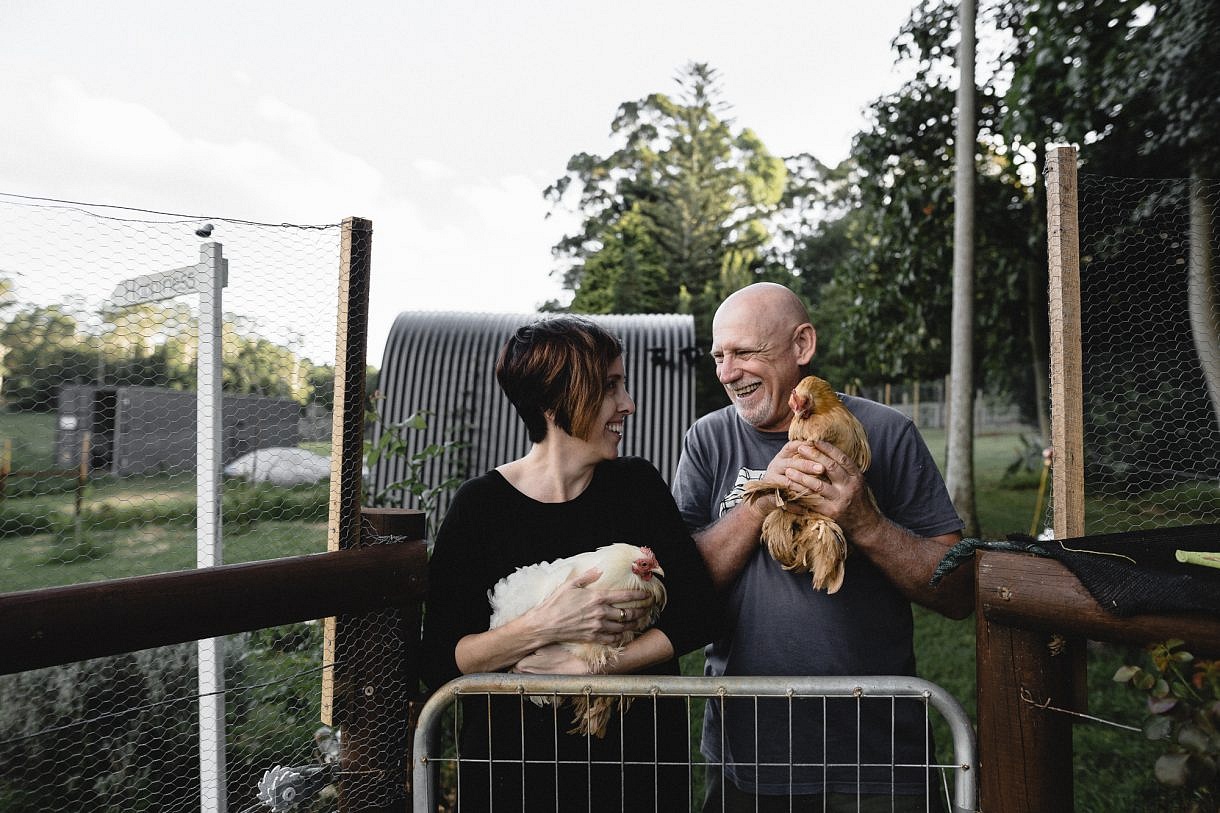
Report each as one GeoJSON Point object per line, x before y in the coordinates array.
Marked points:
{"type": "Point", "coordinates": [768, 300]}
{"type": "Point", "coordinates": [761, 341]}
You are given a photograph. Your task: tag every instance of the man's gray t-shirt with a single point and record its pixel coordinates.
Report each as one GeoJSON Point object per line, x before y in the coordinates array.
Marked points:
{"type": "Point", "coordinates": [777, 624]}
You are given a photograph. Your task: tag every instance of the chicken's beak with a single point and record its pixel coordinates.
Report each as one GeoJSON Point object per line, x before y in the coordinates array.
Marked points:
{"type": "Point", "coordinates": [657, 570]}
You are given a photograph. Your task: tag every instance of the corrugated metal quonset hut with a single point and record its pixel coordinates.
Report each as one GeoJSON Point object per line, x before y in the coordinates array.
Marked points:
{"type": "Point", "coordinates": [444, 362]}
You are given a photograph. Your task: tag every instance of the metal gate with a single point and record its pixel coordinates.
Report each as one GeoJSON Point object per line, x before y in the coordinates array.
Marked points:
{"type": "Point", "coordinates": [433, 758]}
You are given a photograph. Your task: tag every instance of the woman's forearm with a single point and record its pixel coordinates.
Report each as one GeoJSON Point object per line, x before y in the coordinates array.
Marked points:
{"type": "Point", "coordinates": [650, 648]}
{"type": "Point", "coordinates": [497, 649]}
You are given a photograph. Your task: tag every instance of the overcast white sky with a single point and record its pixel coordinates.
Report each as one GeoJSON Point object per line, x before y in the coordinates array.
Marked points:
{"type": "Point", "coordinates": [442, 122]}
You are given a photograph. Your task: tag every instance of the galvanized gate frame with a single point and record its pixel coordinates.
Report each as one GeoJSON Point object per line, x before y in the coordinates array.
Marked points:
{"type": "Point", "coordinates": [965, 767]}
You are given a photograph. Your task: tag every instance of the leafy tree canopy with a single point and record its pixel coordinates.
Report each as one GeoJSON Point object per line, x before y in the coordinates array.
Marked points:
{"type": "Point", "coordinates": [673, 218]}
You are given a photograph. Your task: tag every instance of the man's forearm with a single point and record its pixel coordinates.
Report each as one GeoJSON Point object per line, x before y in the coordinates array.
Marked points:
{"type": "Point", "coordinates": [908, 561]}
{"type": "Point", "coordinates": [727, 544]}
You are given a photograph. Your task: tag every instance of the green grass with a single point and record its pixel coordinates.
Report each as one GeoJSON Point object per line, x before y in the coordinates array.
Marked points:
{"type": "Point", "coordinates": [134, 526]}
{"type": "Point", "coordinates": [32, 438]}
{"type": "Point", "coordinates": [321, 447]}
{"type": "Point", "coordinates": [28, 563]}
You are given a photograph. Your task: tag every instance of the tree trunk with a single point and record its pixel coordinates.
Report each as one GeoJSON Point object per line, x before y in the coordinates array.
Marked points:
{"type": "Point", "coordinates": [1201, 299]}
{"type": "Point", "coordinates": [960, 462]}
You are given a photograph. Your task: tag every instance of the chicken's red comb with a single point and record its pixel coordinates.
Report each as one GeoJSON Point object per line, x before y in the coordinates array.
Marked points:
{"type": "Point", "coordinates": [647, 552]}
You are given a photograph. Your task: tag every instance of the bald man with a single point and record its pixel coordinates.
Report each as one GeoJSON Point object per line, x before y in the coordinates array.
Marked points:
{"type": "Point", "coordinates": [777, 624]}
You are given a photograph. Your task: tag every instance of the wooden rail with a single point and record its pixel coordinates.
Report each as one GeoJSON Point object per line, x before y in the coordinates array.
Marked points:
{"type": "Point", "coordinates": [1042, 594]}
{"type": "Point", "coordinates": [1030, 614]}
{"type": "Point", "coordinates": [66, 624]}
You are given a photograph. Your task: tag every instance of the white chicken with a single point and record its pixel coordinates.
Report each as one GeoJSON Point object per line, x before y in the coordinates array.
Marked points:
{"type": "Point", "coordinates": [622, 566]}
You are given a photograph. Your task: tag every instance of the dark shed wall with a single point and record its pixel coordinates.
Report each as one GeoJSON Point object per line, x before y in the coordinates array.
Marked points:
{"type": "Point", "coordinates": [444, 363]}
{"type": "Point", "coordinates": [154, 431]}
{"type": "Point", "coordinates": [144, 430]}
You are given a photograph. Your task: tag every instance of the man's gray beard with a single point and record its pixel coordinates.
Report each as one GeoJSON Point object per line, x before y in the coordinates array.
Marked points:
{"type": "Point", "coordinates": [741, 413]}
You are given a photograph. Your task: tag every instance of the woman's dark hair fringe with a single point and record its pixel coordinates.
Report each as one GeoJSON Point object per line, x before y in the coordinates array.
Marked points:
{"type": "Point", "coordinates": [557, 365]}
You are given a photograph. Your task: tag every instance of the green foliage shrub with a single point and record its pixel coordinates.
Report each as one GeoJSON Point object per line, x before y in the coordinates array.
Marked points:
{"type": "Point", "coordinates": [244, 504]}
{"type": "Point", "coordinates": [1183, 705]}
{"type": "Point", "coordinates": [120, 734]}
{"type": "Point", "coordinates": [24, 486]}
{"type": "Point", "coordinates": [112, 734]}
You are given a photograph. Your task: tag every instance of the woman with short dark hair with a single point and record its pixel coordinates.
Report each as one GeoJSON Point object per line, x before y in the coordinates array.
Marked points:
{"type": "Point", "coordinates": [570, 493]}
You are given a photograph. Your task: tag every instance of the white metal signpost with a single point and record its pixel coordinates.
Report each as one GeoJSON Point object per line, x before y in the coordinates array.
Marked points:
{"type": "Point", "coordinates": [207, 278]}
{"type": "Point", "coordinates": [166, 285]}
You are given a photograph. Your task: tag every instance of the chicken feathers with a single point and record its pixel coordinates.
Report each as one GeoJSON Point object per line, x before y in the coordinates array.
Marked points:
{"type": "Point", "coordinates": [622, 566]}
{"type": "Point", "coordinates": [797, 536]}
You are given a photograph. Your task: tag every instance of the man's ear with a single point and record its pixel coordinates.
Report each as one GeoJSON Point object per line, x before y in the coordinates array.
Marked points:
{"type": "Point", "coordinates": [804, 343]}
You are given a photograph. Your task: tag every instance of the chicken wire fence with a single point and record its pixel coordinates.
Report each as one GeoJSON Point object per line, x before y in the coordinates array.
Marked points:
{"type": "Point", "coordinates": [103, 313]}
{"type": "Point", "coordinates": [1150, 352]}
{"type": "Point", "coordinates": [120, 733]}
{"type": "Point", "coordinates": [165, 403]}
{"type": "Point", "coordinates": [659, 767]}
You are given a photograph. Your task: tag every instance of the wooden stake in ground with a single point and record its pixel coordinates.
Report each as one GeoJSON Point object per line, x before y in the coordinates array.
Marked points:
{"type": "Point", "coordinates": [347, 421]}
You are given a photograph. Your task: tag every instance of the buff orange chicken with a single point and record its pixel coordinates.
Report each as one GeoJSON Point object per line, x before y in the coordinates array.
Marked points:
{"type": "Point", "coordinates": [796, 535]}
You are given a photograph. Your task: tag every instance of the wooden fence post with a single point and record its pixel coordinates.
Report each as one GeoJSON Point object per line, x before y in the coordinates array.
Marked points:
{"type": "Point", "coordinates": [1029, 610]}
{"type": "Point", "coordinates": [1067, 373]}
{"type": "Point", "coordinates": [1025, 752]}
{"type": "Point", "coordinates": [1067, 378]}
{"type": "Point", "coordinates": [376, 676]}
{"type": "Point", "coordinates": [82, 478]}
{"type": "Point", "coordinates": [347, 419]}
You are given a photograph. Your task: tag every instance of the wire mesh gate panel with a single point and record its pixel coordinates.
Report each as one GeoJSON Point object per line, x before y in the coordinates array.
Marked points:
{"type": "Point", "coordinates": [442, 772]}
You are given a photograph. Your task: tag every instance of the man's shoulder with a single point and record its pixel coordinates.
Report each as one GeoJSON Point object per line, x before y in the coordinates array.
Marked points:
{"type": "Point", "coordinates": [874, 412]}
{"type": "Point", "coordinates": [716, 419]}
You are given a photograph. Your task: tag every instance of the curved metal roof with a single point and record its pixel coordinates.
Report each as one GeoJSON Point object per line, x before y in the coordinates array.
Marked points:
{"type": "Point", "coordinates": [444, 362]}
